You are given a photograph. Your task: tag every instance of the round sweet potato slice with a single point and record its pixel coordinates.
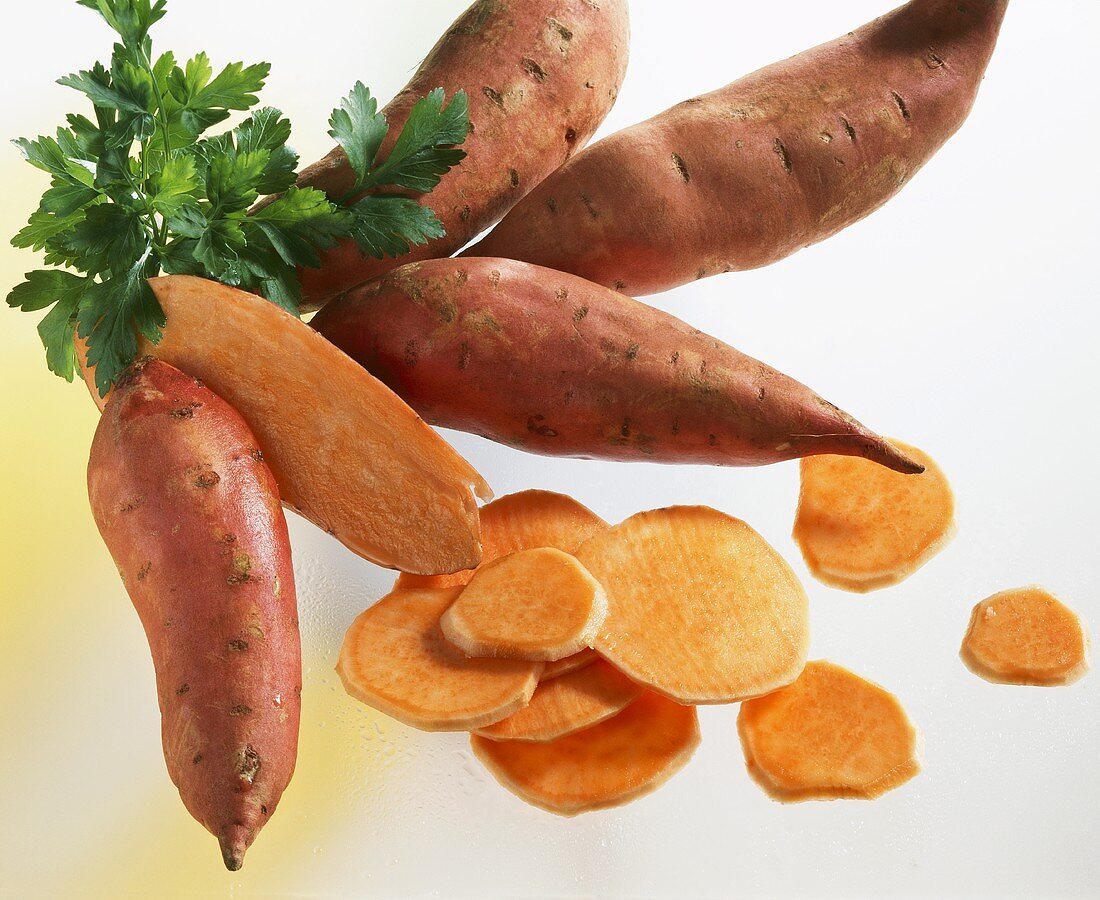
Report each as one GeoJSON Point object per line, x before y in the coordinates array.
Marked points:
{"type": "Point", "coordinates": [606, 765]}
{"type": "Point", "coordinates": [568, 703]}
{"type": "Point", "coordinates": [396, 659]}
{"type": "Point", "coordinates": [828, 735]}
{"type": "Point", "coordinates": [1026, 636]}
{"type": "Point", "coordinates": [862, 527]}
{"type": "Point", "coordinates": [521, 521]}
{"type": "Point", "coordinates": [699, 606]}
{"type": "Point", "coordinates": [535, 604]}
{"type": "Point", "coordinates": [578, 660]}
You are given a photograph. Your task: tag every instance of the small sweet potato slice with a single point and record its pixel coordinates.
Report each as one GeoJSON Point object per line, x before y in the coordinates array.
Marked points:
{"type": "Point", "coordinates": [522, 521]}
{"type": "Point", "coordinates": [830, 734]}
{"type": "Point", "coordinates": [535, 604]}
{"type": "Point", "coordinates": [1026, 636]}
{"type": "Point", "coordinates": [578, 660]}
{"type": "Point", "coordinates": [862, 527]}
{"type": "Point", "coordinates": [568, 703]}
{"type": "Point", "coordinates": [396, 659]}
{"type": "Point", "coordinates": [700, 607]}
{"type": "Point", "coordinates": [347, 453]}
{"type": "Point", "coordinates": [606, 765]}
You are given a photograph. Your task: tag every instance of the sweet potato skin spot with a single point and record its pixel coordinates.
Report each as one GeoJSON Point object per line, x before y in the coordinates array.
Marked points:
{"type": "Point", "coordinates": [828, 735]}
{"type": "Point", "coordinates": [606, 765]}
{"type": "Point", "coordinates": [1026, 636]}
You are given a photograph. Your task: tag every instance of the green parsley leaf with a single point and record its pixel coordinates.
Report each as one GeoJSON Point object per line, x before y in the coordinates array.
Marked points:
{"type": "Point", "coordinates": [424, 150]}
{"type": "Point", "coordinates": [175, 185]}
{"type": "Point", "coordinates": [266, 129]}
{"type": "Point", "coordinates": [63, 291]}
{"type": "Point", "coordinates": [64, 198]}
{"type": "Point", "coordinates": [43, 227]}
{"type": "Point", "coordinates": [132, 19]}
{"type": "Point", "coordinates": [299, 221]}
{"type": "Point", "coordinates": [387, 225]}
{"type": "Point", "coordinates": [359, 128]}
{"type": "Point", "coordinates": [233, 180]}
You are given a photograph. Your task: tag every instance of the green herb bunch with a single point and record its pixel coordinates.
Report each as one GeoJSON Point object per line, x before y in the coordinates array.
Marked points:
{"type": "Point", "coordinates": [141, 188]}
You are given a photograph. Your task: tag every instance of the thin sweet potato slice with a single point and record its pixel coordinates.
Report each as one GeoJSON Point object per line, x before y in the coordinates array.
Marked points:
{"type": "Point", "coordinates": [571, 702]}
{"type": "Point", "coordinates": [346, 452]}
{"type": "Point", "coordinates": [606, 765]}
{"type": "Point", "coordinates": [396, 659]}
{"type": "Point", "coordinates": [700, 607]}
{"type": "Point", "coordinates": [861, 526]}
{"type": "Point", "coordinates": [1026, 636]}
{"type": "Point", "coordinates": [521, 521]}
{"type": "Point", "coordinates": [828, 735]}
{"type": "Point", "coordinates": [537, 604]}
{"type": "Point", "coordinates": [578, 660]}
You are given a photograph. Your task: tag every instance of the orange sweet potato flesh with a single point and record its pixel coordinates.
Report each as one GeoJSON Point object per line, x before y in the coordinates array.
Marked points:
{"type": "Point", "coordinates": [1026, 636]}
{"type": "Point", "coordinates": [191, 516]}
{"type": "Point", "coordinates": [347, 454]}
{"type": "Point", "coordinates": [861, 527]}
{"type": "Point", "coordinates": [396, 659]}
{"type": "Point", "coordinates": [607, 765]}
{"type": "Point", "coordinates": [578, 699]}
{"type": "Point", "coordinates": [699, 606]}
{"type": "Point", "coordinates": [521, 521]}
{"type": "Point", "coordinates": [750, 173]}
{"type": "Point", "coordinates": [559, 667]}
{"type": "Point", "coordinates": [553, 364]}
{"type": "Point", "coordinates": [537, 604]}
{"type": "Point", "coordinates": [540, 76]}
{"type": "Point", "coordinates": [830, 734]}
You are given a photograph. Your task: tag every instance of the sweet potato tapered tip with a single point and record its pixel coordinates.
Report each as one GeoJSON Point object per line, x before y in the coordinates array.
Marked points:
{"type": "Point", "coordinates": [234, 844]}
{"type": "Point", "coordinates": [887, 454]}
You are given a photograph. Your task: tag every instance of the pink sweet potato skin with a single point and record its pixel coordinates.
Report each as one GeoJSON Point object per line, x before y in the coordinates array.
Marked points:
{"type": "Point", "coordinates": [541, 75]}
{"type": "Point", "coordinates": [553, 364]}
{"type": "Point", "coordinates": [191, 516]}
{"type": "Point", "coordinates": [754, 171]}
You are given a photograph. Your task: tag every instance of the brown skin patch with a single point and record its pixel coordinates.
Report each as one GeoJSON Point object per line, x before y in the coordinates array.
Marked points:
{"type": "Point", "coordinates": [681, 167]}
{"type": "Point", "coordinates": [185, 412]}
{"type": "Point", "coordinates": [143, 571]}
{"type": "Point", "coordinates": [240, 709]}
{"type": "Point", "coordinates": [579, 313]}
{"type": "Point", "coordinates": [533, 69]}
{"type": "Point", "coordinates": [494, 95]}
{"type": "Point", "coordinates": [535, 426]}
{"type": "Point", "coordinates": [237, 645]}
{"type": "Point", "coordinates": [783, 154]}
{"type": "Point", "coordinates": [207, 479]}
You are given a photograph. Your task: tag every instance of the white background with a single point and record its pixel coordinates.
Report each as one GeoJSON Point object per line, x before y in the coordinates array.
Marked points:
{"type": "Point", "coordinates": [962, 317]}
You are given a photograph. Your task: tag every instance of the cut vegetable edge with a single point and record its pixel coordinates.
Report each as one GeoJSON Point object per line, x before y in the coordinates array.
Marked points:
{"type": "Point", "coordinates": [619, 692]}
{"type": "Point", "coordinates": [1024, 677]}
{"type": "Point", "coordinates": [564, 666]}
{"type": "Point", "coordinates": [482, 748]}
{"type": "Point", "coordinates": [866, 583]}
{"type": "Point", "coordinates": [458, 629]}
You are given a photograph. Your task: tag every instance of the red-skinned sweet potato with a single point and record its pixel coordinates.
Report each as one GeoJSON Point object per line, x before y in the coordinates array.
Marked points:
{"type": "Point", "coordinates": [754, 171]}
{"type": "Point", "coordinates": [553, 364]}
{"type": "Point", "coordinates": [191, 515]}
{"type": "Point", "coordinates": [540, 76]}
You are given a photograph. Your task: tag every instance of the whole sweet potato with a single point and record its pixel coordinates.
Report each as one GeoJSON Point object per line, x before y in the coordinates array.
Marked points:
{"type": "Point", "coordinates": [191, 515]}
{"type": "Point", "coordinates": [778, 160]}
{"type": "Point", "coordinates": [540, 75]}
{"type": "Point", "coordinates": [553, 364]}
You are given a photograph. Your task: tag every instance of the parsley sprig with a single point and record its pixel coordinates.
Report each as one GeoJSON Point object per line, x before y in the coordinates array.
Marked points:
{"type": "Point", "coordinates": [141, 188]}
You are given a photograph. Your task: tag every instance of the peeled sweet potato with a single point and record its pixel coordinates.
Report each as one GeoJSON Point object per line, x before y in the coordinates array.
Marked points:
{"type": "Point", "coordinates": [191, 515]}
{"type": "Point", "coordinates": [347, 454]}
{"type": "Point", "coordinates": [754, 171]}
{"type": "Point", "coordinates": [540, 76]}
{"type": "Point", "coordinates": [553, 364]}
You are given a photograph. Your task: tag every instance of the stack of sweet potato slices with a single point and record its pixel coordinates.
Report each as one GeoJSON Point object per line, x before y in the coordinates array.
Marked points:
{"type": "Point", "coordinates": [577, 652]}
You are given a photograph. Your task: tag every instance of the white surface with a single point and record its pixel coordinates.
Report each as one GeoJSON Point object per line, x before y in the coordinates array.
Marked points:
{"type": "Point", "coordinates": [962, 317]}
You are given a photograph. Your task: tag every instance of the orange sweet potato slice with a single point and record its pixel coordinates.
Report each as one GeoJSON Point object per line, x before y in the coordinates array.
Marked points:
{"type": "Point", "coordinates": [606, 765]}
{"type": "Point", "coordinates": [535, 604]}
{"type": "Point", "coordinates": [571, 702]}
{"type": "Point", "coordinates": [700, 607]}
{"type": "Point", "coordinates": [347, 453]}
{"type": "Point", "coordinates": [578, 660]}
{"type": "Point", "coordinates": [861, 526]}
{"type": "Point", "coordinates": [1026, 636]}
{"type": "Point", "coordinates": [395, 658]}
{"type": "Point", "coordinates": [828, 735]}
{"type": "Point", "coordinates": [522, 521]}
